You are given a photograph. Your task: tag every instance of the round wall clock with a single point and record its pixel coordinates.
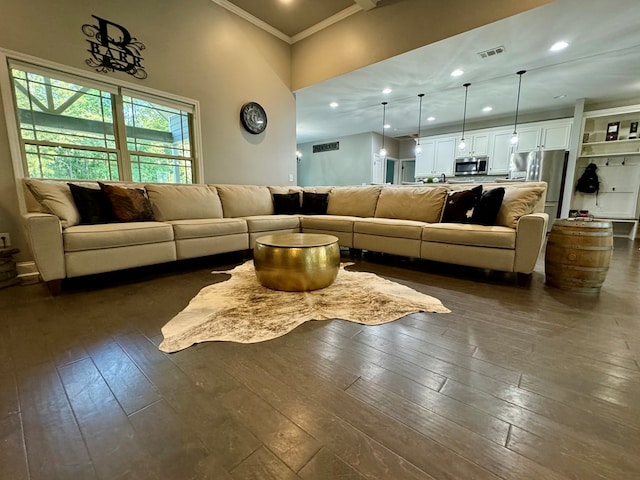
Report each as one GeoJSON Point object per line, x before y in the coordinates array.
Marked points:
{"type": "Point", "coordinates": [253, 117]}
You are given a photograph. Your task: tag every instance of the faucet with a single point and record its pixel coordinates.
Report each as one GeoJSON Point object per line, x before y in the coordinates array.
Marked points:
{"type": "Point", "coordinates": [443, 178]}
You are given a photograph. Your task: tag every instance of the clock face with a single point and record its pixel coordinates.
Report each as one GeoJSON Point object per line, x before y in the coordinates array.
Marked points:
{"type": "Point", "coordinates": [253, 117]}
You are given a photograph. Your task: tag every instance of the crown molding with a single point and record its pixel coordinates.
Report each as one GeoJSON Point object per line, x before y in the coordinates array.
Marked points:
{"type": "Point", "coordinates": [226, 4]}
{"type": "Point", "coordinates": [327, 22]}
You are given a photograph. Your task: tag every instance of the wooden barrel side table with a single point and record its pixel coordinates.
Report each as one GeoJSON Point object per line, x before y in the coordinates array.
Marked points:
{"type": "Point", "coordinates": [578, 254]}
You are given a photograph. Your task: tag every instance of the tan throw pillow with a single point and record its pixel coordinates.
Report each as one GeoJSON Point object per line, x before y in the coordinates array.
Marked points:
{"type": "Point", "coordinates": [55, 198]}
{"type": "Point", "coordinates": [128, 204]}
{"type": "Point", "coordinates": [184, 202]}
{"type": "Point", "coordinates": [518, 201]}
{"type": "Point", "coordinates": [422, 204]}
{"type": "Point", "coordinates": [353, 201]}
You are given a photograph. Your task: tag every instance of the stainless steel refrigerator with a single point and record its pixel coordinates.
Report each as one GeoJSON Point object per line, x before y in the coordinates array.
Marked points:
{"type": "Point", "coordinates": [547, 166]}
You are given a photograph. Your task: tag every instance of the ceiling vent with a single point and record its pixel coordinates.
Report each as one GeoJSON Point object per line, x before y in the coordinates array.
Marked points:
{"type": "Point", "coordinates": [492, 52]}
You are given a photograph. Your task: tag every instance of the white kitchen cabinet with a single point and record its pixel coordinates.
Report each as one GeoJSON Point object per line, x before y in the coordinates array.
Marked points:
{"type": "Point", "coordinates": [476, 144]}
{"type": "Point", "coordinates": [555, 137]}
{"type": "Point", "coordinates": [500, 154]}
{"type": "Point", "coordinates": [426, 158]}
{"type": "Point", "coordinates": [445, 156]}
{"type": "Point", "coordinates": [528, 139]}
{"type": "Point", "coordinates": [437, 157]}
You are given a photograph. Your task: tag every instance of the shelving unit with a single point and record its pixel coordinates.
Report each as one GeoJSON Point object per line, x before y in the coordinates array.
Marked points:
{"type": "Point", "coordinates": [618, 164]}
{"type": "Point", "coordinates": [595, 130]}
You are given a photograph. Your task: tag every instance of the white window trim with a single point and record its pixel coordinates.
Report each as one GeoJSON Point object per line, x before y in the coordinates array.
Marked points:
{"type": "Point", "coordinates": [12, 122]}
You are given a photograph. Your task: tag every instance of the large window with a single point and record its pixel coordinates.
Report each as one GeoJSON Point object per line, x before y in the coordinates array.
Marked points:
{"type": "Point", "coordinates": [74, 128]}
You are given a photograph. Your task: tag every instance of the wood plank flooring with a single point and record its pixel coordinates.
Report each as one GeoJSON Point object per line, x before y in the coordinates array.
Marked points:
{"type": "Point", "coordinates": [517, 382]}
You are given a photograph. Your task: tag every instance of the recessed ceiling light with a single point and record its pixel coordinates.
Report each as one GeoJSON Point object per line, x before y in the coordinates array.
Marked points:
{"type": "Point", "coordinates": [387, 91]}
{"type": "Point", "coordinates": [561, 45]}
{"type": "Point", "coordinates": [457, 72]}
{"type": "Point", "coordinates": [333, 104]}
{"type": "Point", "coordinates": [487, 109]}
{"type": "Point", "coordinates": [430, 119]}
{"type": "Point", "coordinates": [386, 125]}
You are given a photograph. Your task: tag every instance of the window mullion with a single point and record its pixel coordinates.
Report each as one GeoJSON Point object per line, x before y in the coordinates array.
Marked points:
{"type": "Point", "coordinates": [120, 130]}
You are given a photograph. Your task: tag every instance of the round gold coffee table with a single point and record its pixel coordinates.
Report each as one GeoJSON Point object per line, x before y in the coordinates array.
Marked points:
{"type": "Point", "coordinates": [296, 262]}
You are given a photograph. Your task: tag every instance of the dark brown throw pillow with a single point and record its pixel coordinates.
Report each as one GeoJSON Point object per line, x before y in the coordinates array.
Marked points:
{"type": "Point", "coordinates": [128, 204]}
{"type": "Point", "coordinates": [488, 206]}
{"type": "Point", "coordinates": [286, 203]}
{"type": "Point", "coordinates": [92, 204]}
{"type": "Point", "coordinates": [460, 205]}
{"type": "Point", "coordinates": [315, 203]}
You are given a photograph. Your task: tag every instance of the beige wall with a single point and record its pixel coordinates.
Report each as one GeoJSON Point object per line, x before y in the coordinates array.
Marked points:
{"type": "Point", "coordinates": [392, 28]}
{"type": "Point", "coordinates": [195, 49]}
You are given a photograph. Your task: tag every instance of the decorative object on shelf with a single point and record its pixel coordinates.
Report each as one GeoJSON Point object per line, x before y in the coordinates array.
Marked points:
{"type": "Point", "coordinates": [633, 130]}
{"type": "Point", "coordinates": [253, 118]}
{"type": "Point", "coordinates": [383, 151]}
{"type": "Point", "coordinates": [418, 147]}
{"type": "Point", "coordinates": [462, 145]}
{"type": "Point", "coordinates": [114, 49]}
{"type": "Point", "coordinates": [613, 128]}
{"type": "Point", "coordinates": [514, 137]}
{"type": "Point", "coordinates": [585, 137]}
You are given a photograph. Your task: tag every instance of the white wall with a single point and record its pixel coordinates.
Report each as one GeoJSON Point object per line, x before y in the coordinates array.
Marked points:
{"type": "Point", "coordinates": [350, 165]}
{"type": "Point", "coordinates": [194, 48]}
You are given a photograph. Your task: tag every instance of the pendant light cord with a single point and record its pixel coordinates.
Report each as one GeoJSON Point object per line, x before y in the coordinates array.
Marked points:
{"type": "Point", "coordinates": [420, 116]}
{"type": "Point", "coordinates": [464, 114]}
{"type": "Point", "coordinates": [515, 125]}
{"type": "Point", "coordinates": [384, 112]}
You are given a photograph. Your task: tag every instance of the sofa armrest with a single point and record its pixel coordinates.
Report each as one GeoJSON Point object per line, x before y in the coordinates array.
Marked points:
{"type": "Point", "coordinates": [44, 234]}
{"type": "Point", "coordinates": [531, 232]}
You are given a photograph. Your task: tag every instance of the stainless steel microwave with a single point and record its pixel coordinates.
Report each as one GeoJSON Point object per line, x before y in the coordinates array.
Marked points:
{"type": "Point", "coordinates": [471, 165]}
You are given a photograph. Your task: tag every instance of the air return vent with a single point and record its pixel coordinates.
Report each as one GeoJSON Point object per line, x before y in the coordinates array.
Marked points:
{"type": "Point", "coordinates": [492, 52]}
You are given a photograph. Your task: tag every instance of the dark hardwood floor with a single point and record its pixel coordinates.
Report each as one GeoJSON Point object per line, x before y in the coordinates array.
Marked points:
{"type": "Point", "coordinates": [517, 382]}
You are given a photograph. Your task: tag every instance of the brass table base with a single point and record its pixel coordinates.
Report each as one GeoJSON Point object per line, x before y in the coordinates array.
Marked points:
{"type": "Point", "coordinates": [296, 262]}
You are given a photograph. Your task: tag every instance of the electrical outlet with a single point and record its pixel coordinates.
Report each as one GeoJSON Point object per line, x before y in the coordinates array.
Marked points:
{"type": "Point", "coordinates": [5, 239]}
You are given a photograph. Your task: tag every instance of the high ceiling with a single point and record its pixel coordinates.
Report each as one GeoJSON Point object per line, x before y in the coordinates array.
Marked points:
{"type": "Point", "coordinates": [602, 63]}
{"type": "Point", "coordinates": [292, 16]}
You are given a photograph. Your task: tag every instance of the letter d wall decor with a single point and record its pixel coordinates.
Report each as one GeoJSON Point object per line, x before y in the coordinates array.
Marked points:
{"type": "Point", "coordinates": [112, 48]}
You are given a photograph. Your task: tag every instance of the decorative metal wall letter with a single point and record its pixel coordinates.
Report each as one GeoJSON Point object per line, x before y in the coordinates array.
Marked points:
{"type": "Point", "coordinates": [114, 49]}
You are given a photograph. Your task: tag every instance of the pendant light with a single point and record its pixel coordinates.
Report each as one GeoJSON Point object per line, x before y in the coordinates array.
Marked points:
{"type": "Point", "coordinates": [514, 137]}
{"type": "Point", "coordinates": [418, 147]}
{"type": "Point", "coordinates": [462, 145]}
{"type": "Point", "coordinates": [383, 151]}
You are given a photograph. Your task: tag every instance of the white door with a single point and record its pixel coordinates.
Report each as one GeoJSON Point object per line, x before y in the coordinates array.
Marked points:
{"type": "Point", "coordinates": [500, 153]}
{"type": "Point", "coordinates": [445, 156]}
{"type": "Point", "coordinates": [425, 159]}
{"type": "Point", "coordinates": [378, 169]}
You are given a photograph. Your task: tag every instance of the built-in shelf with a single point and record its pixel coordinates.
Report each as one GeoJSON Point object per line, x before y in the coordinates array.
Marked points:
{"type": "Point", "coordinates": [611, 142]}
{"type": "Point", "coordinates": [618, 154]}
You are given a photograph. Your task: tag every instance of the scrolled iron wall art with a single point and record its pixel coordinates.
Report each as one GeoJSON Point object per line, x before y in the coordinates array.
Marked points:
{"type": "Point", "coordinates": [112, 48]}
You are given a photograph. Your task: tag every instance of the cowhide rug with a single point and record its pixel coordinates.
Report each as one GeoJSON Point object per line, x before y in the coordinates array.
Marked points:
{"type": "Point", "coordinates": [241, 310]}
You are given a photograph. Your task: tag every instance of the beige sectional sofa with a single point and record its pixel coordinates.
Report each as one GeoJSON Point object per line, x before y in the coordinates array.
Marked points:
{"type": "Point", "coordinates": [198, 220]}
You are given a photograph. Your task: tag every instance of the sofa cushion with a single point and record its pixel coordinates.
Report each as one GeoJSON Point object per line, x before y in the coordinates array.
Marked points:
{"type": "Point", "coordinates": [335, 223]}
{"type": "Point", "coordinates": [422, 204]}
{"type": "Point", "coordinates": [207, 227]}
{"type": "Point", "coordinates": [314, 203]}
{"type": "Point", "coordinates": [92, 204]}
{"type": "Point", "coordinates": [112, 235]}
{"type": "Point", "coordinates": [470, 234]}
{"type": "Point", "coordinates": [245, 200]}
{"type": "Point", "coordinates": [128, 204]}
{"type": "Point", "coordinates": [518, 201]}
{"type": "Point", "coordinates": [488, 206]}
{"type": "Point", "coordinates": [55, 198]}
{"type": "Point", "coordinates": [459, 205]}
{"type": "Point", "coordinates": [353, 201]}
{"type": "Point", "coordinates": [267, 223]}
{"type": "Point", "coordinates": [181, 202]}
{"type": "Point", "coordinates": [388, 227]}
{"type": "Point", "coordinates": [286, 203]}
